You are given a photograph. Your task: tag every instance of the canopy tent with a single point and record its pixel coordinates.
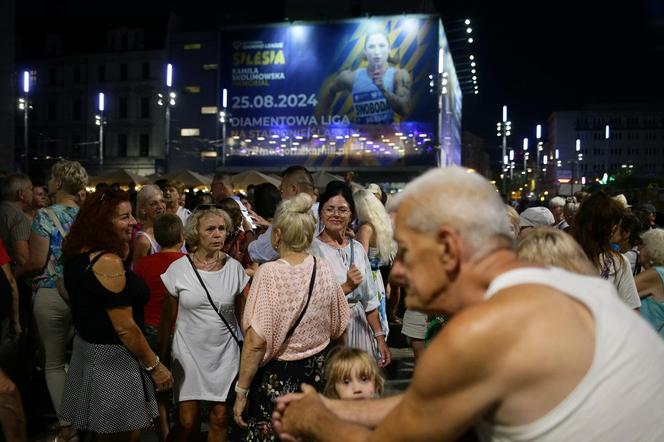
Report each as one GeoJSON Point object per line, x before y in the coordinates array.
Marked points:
{"type": "Point", "coordinates": [188, 177]}
{"type": "Point", "coordinates": [119, 176]}
{"type": "Point", "coordinates": [242, 180]}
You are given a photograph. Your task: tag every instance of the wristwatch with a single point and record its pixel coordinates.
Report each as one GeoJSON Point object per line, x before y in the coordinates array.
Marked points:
{"type": "Point", "coordinates": [241, 391]}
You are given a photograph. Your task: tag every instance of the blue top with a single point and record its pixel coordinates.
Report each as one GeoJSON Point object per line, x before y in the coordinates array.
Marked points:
{"type": "Point", "coordinates": [653, 310]}
{"type": "Point", "coordinates": [371, 106]}
{"type": "Point", "coordinates": [43, 226]}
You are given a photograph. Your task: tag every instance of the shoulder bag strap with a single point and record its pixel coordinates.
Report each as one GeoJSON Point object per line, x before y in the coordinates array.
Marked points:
{"type": "Point", "coordinates": [56, 222]}
{"type": "Point", "coordinates": [311, 288]}
{"type": "Point", "coordinates": [212, 302]}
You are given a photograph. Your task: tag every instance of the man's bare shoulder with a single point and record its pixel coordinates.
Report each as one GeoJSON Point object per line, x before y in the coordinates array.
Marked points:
{"type": "Point", "coordinates": [513, 325]}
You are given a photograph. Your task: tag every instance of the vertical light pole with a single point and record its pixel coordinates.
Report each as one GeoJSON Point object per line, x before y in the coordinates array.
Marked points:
{"type": "Point", "coordinates": [607, 137]}
{"type": "Point", "coordinates": [511, 166]}
{"type": "Point", "coordinates": [170, 100]}
{"type": "Point", "coordinates": [579, 157]}
{"type": "Point", "coordinates": [223, 117]}
{"type": "Point", "coordinates": [538, 135]}
{"type": "Point", "coordinates": [99, 121]}
{"type": "Point", "coordinates": [504, 129]}
{"type": "Point", "coordinates": [25, 105]}
{"type": "Point", "coordinates": [525, 159]}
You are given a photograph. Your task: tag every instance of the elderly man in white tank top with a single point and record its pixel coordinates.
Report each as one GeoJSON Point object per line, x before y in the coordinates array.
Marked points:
{"type": "Point", "coordinates": [531, 353]}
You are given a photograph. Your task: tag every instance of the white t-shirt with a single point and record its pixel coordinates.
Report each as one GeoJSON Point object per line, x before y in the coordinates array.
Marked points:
{"type": "Point", "coordinates": [623, 280]}
{"type": "Point", "coordinates": [206, 358]}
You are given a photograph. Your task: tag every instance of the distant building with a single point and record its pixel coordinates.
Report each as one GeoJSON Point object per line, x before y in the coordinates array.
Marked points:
{"type": "Point", "coordinates": [635, 140]}
{"type": "Point", "coordinates": [65, 94]}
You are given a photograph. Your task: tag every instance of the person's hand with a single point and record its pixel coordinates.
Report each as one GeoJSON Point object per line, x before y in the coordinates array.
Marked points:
{"type": "Point", "coordinates": [385, 355]}
{"type": "Point", "coordinates": [353, 277]}
{"type": "Point", "coordinates": [294, 413]}
{"type": "Point", "coordinates": [162, 377]}
{"type": "Point", "coordinates": [377, 78]}
{"type": "Point", "coordinates": [238, 409]}
{"type": "Point", "coordinates": [258, 220]}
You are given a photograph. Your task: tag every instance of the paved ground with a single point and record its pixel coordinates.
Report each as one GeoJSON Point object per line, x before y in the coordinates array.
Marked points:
{"type": "Point", "coordinates": [42, 418]}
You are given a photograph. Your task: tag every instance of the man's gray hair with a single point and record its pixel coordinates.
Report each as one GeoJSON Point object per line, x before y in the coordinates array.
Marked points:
{"type": "Point", "coordinates": [461, 199]}
{"type": "Point", "coordinates": [12, 184]}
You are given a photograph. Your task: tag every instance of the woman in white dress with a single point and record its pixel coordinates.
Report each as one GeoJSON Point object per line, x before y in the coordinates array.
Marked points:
{"type": "Point", "coordinates": [206, 355]}
{"type": "Point", "coordinates": [351, 266]}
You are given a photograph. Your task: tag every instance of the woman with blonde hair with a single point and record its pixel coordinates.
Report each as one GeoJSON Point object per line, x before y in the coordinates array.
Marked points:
{"type": "Point", "coordinates": [553, 247]}
{"type": "Point", "coordinates": [376, 236]}
{"type": "Point", "coordinates": [52, 315]}
{"type": "Point", "coordinates": [149, 204]}
{"type": "Point", "coordinates": [513, 218]}
{"type": "Point", "coordinates": [294, 310]}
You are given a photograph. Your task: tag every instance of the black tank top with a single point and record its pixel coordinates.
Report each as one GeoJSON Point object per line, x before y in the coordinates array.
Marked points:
{"type": "Point", "coordinates": [90, 299]}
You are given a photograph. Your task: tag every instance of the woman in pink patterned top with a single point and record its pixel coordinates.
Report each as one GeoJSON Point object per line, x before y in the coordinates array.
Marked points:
{"type": "Point", "coordinates": [294, 310]}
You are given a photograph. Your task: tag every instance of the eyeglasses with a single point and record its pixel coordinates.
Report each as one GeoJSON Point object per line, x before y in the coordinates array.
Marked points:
{"type": "Point", "coordinates": [331, 210]}
{"type": "Point", "coordinates": [202, 207]}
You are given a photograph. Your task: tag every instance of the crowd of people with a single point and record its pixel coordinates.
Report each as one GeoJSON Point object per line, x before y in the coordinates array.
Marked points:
{"type": "Point", "coordinates": [268, 314]}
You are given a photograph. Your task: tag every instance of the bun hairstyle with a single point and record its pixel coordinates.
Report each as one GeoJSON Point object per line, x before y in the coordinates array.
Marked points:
{"type": "Point", "coordinates": [296, 223]}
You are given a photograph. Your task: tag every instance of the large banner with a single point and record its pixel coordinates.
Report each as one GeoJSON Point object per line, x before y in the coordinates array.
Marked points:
{"type": "Point", "coordinates": [358, 92]}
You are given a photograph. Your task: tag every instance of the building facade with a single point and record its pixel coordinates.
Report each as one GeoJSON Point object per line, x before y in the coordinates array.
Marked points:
{"type": "Point", "coordinates": [611, 139]}
{"type": "Point", "coordinates": [64, 99]}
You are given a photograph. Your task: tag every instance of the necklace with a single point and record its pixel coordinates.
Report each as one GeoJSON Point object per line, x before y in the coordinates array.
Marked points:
{"type": "Point", "coordinates": [207, 263]}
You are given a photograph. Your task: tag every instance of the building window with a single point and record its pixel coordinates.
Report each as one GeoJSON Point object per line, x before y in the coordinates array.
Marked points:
{"type": "Point", "coordinates": [76, 109]}
{"type": "Point", "coordinates": [194, 132]}
{"type": "Point", "coordinates": [123, 108]}
{"type": "Point", "coordinates": [210, 67]}
{"type": "Point", "coordinates": [192, 46]}
{"type": "Point", "coordinates": [101, 72]}
{"type": "Point", "coordinates": [145, 107]}
{"type": "Point", "coordinates": [145, 71]}
{"type": "Point", "coordinates": [123, 72]}
{"type": "Point", "coordinates": [77, 74]}
{"type": "Point", "coordinates": [51, 76]}
{"type": "Point", "coordinates": [205, 110]}
{"type": "Point", "coordinates": [144, 145]}
{"type": "Point", "coordinates": [122, 145]}
{"type": "Point", "coordinates": [192, 89]}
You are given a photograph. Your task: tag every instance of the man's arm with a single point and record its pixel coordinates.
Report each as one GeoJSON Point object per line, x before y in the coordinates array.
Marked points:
{"type": "Point", "coordinates": [456, 382]}
{"type": "Point", "coordinates": [21, 252]}
{"type": "Point", "coordinates": [260, 249]}
{"type": "Point", "coordinates": [38, 254]}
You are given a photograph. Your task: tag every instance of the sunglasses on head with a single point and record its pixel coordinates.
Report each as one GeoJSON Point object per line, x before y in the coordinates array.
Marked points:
{"type": "Point", "coordinates": [202, 207]}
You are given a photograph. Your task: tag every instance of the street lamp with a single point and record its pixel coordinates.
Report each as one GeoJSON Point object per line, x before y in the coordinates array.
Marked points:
{"type": "Point", "coordinates": [504, 130]}
{"type": "Point", "coordinates": [607, 137]}
{"type": "Point", "coordinates": [168, 102]}
{"type": "Point", "coordinates": [525, 161]}
{"type": "Point", "coordinates": [100, 121]}
{"type": "Point", "coordinates": [24, 105]}
{"type": "Point", "coordinates": [540, 148]}
{"type": "Point", "coordinates": [223, 118]}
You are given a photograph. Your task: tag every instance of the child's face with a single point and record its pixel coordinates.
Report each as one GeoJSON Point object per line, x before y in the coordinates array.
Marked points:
{"type": "Point", "coordinates": [355, 386]}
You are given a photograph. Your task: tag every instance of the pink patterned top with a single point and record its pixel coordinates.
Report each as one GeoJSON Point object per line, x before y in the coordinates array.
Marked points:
{"type": "Point", "coordinates": [278, 295]}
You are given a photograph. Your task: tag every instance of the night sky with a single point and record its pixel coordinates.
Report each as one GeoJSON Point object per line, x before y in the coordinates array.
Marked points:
{"type": "Point", "coordinates": [536, 57]}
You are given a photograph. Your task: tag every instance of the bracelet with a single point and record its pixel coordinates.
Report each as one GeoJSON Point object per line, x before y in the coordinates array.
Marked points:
{"type": "Point", "coordinates": [153, 366]}
{"type": "Point", "coordinates": [241, 391]}
{"type": "Point", "coordinates": [380, 333]}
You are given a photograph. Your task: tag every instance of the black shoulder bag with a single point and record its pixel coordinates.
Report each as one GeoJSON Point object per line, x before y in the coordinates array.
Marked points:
{"type": "Point", "coordinates": [293, 327]}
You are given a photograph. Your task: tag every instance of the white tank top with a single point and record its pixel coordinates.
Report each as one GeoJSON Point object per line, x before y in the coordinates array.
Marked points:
{"type": "Point", "coordinates": [621, 397]}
